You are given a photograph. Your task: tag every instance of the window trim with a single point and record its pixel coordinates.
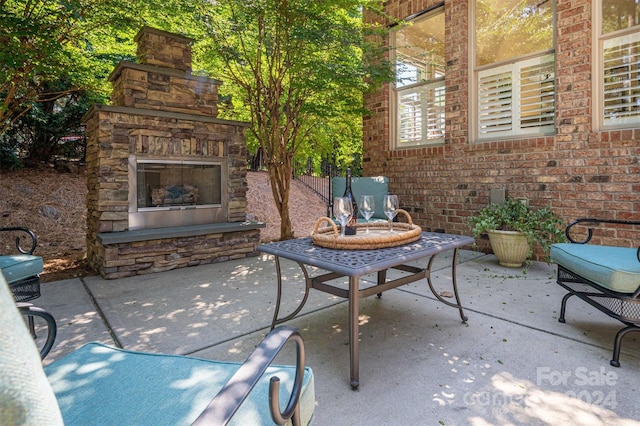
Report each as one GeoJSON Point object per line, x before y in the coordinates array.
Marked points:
{"type": "Point", "coordinates": [473, 70]}
{"type": "Point", "coordinates": [597, 69]}
{"type": "Point", "coordinates": [394, 133]}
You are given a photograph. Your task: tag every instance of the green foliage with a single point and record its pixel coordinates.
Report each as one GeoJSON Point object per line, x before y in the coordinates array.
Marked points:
{"type": "Point", "coordinates": [55, 59]}
{"type": "Point", "coordinates": [8, 158]}
{"type": "Point", "coordinates": [315, 52]}
{"type": "Point", "coordinates": [46, 132]}
{"type": "Point", "coordinates": [509, 29]}
{"type": "Point", "coordinates": [543, 226]}
{"type": "Point", "coordinates": [45, 41]}
{"type": "Point", "coordinates": [297, 70]}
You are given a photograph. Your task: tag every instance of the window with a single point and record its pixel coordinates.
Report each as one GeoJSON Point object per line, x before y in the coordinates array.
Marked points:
{"type": "Point", "coordinates": [419, 88]}
{"type": "Point", "coordinates": [517, 99]}
{"type": "Point", "coordinates": [514, 68]}
{"type": "Point", "coordinates": [619, 47]}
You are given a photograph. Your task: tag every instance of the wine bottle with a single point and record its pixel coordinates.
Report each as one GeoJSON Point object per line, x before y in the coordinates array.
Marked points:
{"type": "Point", "coordinates": [351, 227]}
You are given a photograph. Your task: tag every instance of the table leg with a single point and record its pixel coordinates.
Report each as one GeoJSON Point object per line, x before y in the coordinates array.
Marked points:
{"type": "Point", "coordinates": [454, 282]}
{"type": "Point", "coordinates": [382, 278]}
{"type": "Point", "coordinates": [354, 342]}
{"type": "Point", "coordinates": [307, 285]}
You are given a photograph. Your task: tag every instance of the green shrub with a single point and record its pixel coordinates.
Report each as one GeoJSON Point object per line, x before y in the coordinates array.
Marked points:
{"type": "Point", "coordinates": [543, 226]}
{"type": "Point", "coordinates": [9, 160]}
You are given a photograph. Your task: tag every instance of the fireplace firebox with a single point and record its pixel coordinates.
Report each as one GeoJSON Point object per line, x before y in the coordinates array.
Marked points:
{"type": "Point", "coordinates": [175, 193]}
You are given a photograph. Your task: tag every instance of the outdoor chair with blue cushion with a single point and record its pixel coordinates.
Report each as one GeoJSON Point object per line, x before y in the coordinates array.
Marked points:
{"type": "Point", "coordinates": [22, 269]}
{"type": "Point", "coordinates": [99, 384]}
{"type": "Point", "coordinates": [606, 277]}
{"type": "Point", "coordinates": [378, 186]}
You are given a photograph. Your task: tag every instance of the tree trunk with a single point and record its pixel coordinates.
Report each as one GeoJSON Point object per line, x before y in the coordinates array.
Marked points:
{"type": "Point", "coordinates": [286, 227]}
{"type": "Point", "coordinates": [280, 179]}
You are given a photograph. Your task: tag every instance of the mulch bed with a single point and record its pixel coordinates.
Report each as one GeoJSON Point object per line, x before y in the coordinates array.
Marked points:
{"type": "Point", "coordinates": [53, 205]}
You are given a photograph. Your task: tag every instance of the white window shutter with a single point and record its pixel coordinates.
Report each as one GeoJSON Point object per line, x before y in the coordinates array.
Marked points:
{"type": "Point", "coordinates": [495, 101]}
{"type": "Point", "coordinates": [537, 95]}
{"type": "Point", "coordinates": [621, 67]}
{"type": "Point", "coordinates": [435, 111]}
{"type": "Point", "coordinates": [517, 99]}
{"type": "Point", "coordinates": [421, 114]}
{"type": "Point", "coordinates": [410, 116]}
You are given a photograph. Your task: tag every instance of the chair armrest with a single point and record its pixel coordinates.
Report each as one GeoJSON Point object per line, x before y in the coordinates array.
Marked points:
{"type": "Point", "coordinates": [595, 221]}
{"type": "Point", "coordinates": [30, 235]}
{"type": "Point", "coordinates": [29, 311]}
{"type": "Point", "coordinates": [237, 389]}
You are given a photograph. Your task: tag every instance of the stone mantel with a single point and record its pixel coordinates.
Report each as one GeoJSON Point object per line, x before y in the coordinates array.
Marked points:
{"type": "Point", "coordinates": [161, 114]}
{"type": "Point", "coordinates": [177, 232]}
{"type": "Point", "coordinates": [156, 69]}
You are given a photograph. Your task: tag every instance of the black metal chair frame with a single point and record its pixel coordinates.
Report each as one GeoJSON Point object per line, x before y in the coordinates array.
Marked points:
{"type": "Point", "coordinates": [625, 307]}
{"type": "Point", "coordinates": [29, 311]}
{"type": "Point", "coordinates": [225, 404]}
{"type": "Point", "coordinates": [28, 288]}
{"type": "Point", "coordinates": [32, 236]}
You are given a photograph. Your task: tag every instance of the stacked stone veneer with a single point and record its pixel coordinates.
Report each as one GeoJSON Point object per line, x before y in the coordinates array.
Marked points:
{"type": "Point", "coordinates": [161, 110]}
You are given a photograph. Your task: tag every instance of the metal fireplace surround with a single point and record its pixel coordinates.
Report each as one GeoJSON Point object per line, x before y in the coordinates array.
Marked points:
{"type": "Point", "coordinates": [165, 193]}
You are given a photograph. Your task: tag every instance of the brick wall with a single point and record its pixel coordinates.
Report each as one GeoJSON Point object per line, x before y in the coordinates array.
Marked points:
{"type": "Point", "coordinates": [577, 172]}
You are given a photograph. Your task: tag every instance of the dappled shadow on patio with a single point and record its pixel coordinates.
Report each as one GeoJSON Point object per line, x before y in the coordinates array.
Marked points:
{"type": "Point", "coordinates": [511, 363]}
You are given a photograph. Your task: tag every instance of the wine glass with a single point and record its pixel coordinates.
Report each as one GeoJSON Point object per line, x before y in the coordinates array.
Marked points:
{"type": "Point", "coordinates": [390, 208]}
{"type": "Point", "coordinates": [342, 210]}
{"type": "Point", "coordinates": [367, 207]}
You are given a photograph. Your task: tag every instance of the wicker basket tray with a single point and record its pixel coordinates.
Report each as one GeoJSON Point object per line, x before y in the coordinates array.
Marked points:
{"type": "Point", "coordinates": [378, 236]}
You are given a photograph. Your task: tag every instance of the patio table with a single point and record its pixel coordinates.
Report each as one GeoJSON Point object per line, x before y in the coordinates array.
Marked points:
{"type": "Point", "coordinates": [357, 263]}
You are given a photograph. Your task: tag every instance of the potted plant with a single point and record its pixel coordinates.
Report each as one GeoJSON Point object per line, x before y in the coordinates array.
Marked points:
{"type": "Point", "coordinates": [513, 228]}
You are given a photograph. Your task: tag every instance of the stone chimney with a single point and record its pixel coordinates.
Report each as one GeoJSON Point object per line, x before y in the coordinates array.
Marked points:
{"type": "Point", "coordinates": [162, 80]}
{"type": "Point", "coordinates": [163, 49]}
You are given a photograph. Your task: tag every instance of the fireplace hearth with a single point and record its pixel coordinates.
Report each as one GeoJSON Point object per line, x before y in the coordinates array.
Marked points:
{"type": "Point", "coordinates": [166, 177]}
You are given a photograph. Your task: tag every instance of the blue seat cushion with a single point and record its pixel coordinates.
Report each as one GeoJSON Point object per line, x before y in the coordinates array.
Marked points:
{"type": "Point", "coordinates": [615, 268]}
{"type": "Point", "coordinates": [378, 186]}
{"type": "Point", "coordinates": [16, 268]}
{"type": "Point", "coordinates": [99, 384]}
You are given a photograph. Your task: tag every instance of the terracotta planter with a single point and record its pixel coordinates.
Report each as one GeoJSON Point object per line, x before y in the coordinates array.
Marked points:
{"type": "Point", "coordinates": [510, 247]}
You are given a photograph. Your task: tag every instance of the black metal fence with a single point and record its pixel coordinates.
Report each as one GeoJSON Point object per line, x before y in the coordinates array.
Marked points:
{"type": "Point", "coordinates": [318, 182]}
{"type": "Point", "coordinates": [255, 163]}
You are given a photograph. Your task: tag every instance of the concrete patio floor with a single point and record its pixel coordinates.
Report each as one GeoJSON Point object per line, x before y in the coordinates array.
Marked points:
{"type": "Point", "coordinates": [511, 363]}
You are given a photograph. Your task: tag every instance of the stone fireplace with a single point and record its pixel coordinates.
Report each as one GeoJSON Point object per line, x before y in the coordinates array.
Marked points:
{"type": "Point", "coordinates": [166, 177]}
